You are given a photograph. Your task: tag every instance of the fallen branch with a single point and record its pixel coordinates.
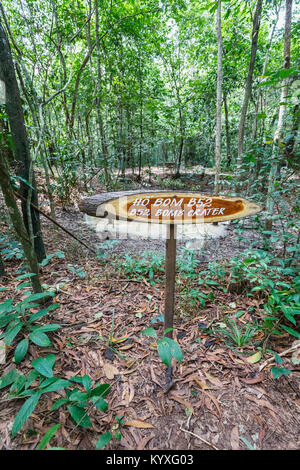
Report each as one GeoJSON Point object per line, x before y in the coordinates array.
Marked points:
{"type": "Point", "coordinates": [56, 223]}
{"type": "Point", "coordinates": [201, 438]}
{"type": "Point", "coordinates": [283, 353]}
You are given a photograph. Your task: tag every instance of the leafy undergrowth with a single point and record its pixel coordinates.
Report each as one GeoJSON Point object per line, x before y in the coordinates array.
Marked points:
{"type": "Point", "coordinates": [92, 379]}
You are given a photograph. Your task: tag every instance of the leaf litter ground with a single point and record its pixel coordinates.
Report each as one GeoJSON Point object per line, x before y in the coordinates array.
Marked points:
{"type": "Point", "coordinates": [218, 400]}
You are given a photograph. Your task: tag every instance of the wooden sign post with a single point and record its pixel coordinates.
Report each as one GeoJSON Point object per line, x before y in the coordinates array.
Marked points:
{"type": "Point", "coordinates": [171, 208]}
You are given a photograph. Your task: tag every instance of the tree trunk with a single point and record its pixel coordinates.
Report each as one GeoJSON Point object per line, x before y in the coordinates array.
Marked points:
{"type": "Point", "coordinates": [260, 91]}
{"type": "Point", "coordinates": [20, 142]}
{"type": "Point", "coordinates": [2, 267]}
{"type": "Point", "coordinates": [228, 151]}
{"type": "Point", "coordinates": [282, 109]}
{"type": "Point", "coordinates": [290, 144]}
{"type": "Point", "coordinates": [18, 224]}
{"type": "Point", "coordinates": [219, 102]}
{"type": "Point", "coordinates": [248, 84]}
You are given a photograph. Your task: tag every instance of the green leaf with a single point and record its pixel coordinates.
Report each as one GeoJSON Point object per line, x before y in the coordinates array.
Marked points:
{"type": "Point", "coordinates": [291, 331]}
{"type": "Point", "coordinates": [100, 403]}
{"type": "Point", "coordinates": [46, 260]}
{"type": "Point", "coordinates": [175, 349]}
{"type": "Point", "coordinates": [59, 403]}
{"type": "Point", "coordinates": [6, 306]}
{"type": "Point", "coordinates": [56, 448]}
{"type": "Point", "coordinates": [103, 440]}
{"type": "Point", "coordinates": [21, 350]}
{"type": "Point", "coordinates": [278, 359]}
{"type": "Point", "coordinates": [50, 327]}
{"type": "Point", "coordinates": [37, 315]}
{"type": "Point", "coordinates": [9, 378]}
{"type": "Point", "coordinates": [164, 351]}
{"type": "Point", "coordinates": [48, 436]}
{"type": "Point", "coordinates": [86, 382]}
{"type": "Point", "coordinates": [24, 276]}
{"type": "Point", "coordinates": [12, 333]}
{"type": "Point", "coordinates": [250, 446]}
{"type": "Point", "coordinates": [44, 365]}
{"type": "Point", "coordinates": [79, 416]}
{"type": "Point", "coordinates": [25, 412]}
{"type": "Point", "coordinates": [149, 332]}
{"type": "Point", "coordinates": [57, 385]}
{"type": "Point", "coordinates": [78, 396]}
{"type": "Point", "coordinates": [38, 296]}
{"type": "Point", "coordinates": [22, 285]}
{"type": "Point", "coordinates": [100, 391]}
{"type": "Point", "coordinates": [279, 371]}
{"type": "Point", "coordinates": [39, 338]}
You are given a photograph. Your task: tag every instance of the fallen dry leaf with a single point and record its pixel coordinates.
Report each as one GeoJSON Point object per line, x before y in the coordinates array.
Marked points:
{"type": "Point", "coordinates": [214, 380]}
{"type": "Point", "coordinates": [202, 384]}
{"type": "Point", "coordinates": [110, 371]}
{"type": "Point", "coordinates": [260, 402]}
{"type": "Point", "coordinates": [183, 402]}
{"type": "Point", "coordinates": [235, 438]}
{"type": "Point", "coordinates": [138, 423]}
{"type": "Point", "coordinates": [254, 358]}
{"type": "Point", "coordinates": [253, 381]}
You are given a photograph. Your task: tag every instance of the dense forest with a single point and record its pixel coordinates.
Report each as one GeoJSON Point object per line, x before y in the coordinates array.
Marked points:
{"type": "Point", "coordinates": [99, 96]}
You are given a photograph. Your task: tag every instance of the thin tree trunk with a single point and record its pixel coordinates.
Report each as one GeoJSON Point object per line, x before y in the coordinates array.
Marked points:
{"type": "Point", "coordinates": [20, 142]}
{"type": "Point", "coordinates": [18, 224]}
{"type": "Point", "coordinates": [2, 267]}
{"type": "Point", "coordinates": [219, 101]}
{"type": "Point", "coordinates": [248, 84]}
{"type": "Point", "coordinates": [289, 146]}
{"type": "Point", "coordinates": [282, 109]}
{"type": "Point", "coordinates": [259, 97]}
{"type": "Point", "coordinates": [228, 150]}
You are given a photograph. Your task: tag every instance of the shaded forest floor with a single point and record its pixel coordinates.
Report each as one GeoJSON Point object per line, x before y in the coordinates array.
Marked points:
{"type": "Point", "coordinates": [218, 399]}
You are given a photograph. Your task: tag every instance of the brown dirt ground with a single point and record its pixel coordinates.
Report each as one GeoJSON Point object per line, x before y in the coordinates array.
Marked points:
{"type": "Point", "coordinates": [217, 398]}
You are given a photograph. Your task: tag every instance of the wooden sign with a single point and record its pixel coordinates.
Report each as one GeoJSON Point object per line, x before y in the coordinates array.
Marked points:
{"type": "Point", "coordinates": [179, 208]}
{"type": "Point", "coordinates": [172, 208]}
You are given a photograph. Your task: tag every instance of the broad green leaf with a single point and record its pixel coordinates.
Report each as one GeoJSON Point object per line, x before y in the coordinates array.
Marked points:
{"type": "Point", "coordinates": [44, 365]}
{"type": "Point", "coordinates": [100, 391]}
{"type": "Point", "coordinates": [38, 296]}
{"type": "Point", "coordinates": [279, 371]}
{"type": "Point", "coordinates": [59, 403]}
{"type": "Point", "coordinates": [86, 382]}
{"type": "Point", "coordinates": [48, 436]}
{"type": "Point", "coordinates": [149, 332]}
{"type": "Point", "coordinates": [278, 359]}
{"type": "Point", "coordinates": [39, 338]}
{"type": "Point", "coordinates": [9, 378]}
{"type": "Point", "coordinates": [175, 349]}
{"type": "Point", "coordinates": [103, 440]}
{"type": "Point", "coordinates": [50, 327]}
{"type": "Point", "coordinates": [24, 413]}
{"type": "Point", "coordinates": [21, 350]}
{"type": "Point", "coordinates": [24, 276]}
{"type": "Point", "coordinates": [57, 385]}
{"type": "Point", "coordinates": [100, 403]}
{"type": "Point", "coordinates": [39, 314]}
{"type": "Point", "coordinates": [12, 333]}
{"type": "Point", "coordinates": [6, 306]}
{"type": "Point", "coordinates": [76, 395]}
{"type": "Point", "coordinates": [79, 416]}
{"type": "Point", "coordinates": [22, 285]}
{"type": "Point", "coordinates": [164, 351]}
{"type": "Point", "coordinates": [291, 331]}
